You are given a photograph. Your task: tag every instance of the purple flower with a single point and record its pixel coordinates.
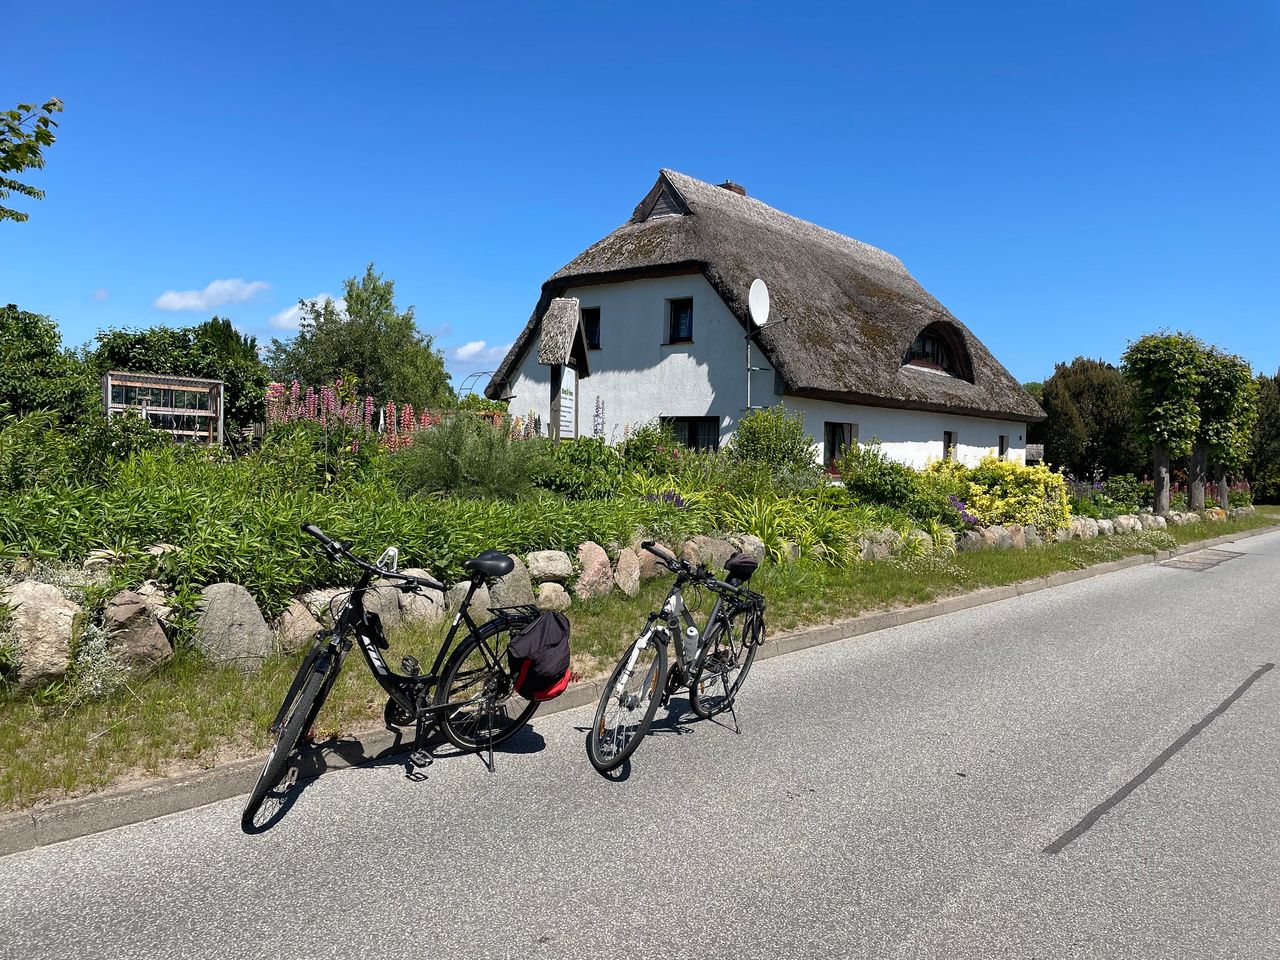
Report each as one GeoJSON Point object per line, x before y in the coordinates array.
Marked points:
{"type": "Point", "coordinates": [959, 506]}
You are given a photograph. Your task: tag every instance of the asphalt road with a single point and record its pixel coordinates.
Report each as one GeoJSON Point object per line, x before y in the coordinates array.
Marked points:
{"type": "Point", "coordinates": [1089, 771]}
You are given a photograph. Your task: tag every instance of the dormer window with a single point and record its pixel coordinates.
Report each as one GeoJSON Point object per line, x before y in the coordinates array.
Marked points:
{"type": "Point", "coordinates": [940, 347]}
{"type": "Point", "coordinates": [930, 350]}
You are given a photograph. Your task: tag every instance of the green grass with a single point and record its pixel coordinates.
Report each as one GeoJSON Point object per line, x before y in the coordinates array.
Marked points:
{"type": "Point", "coordinates": [187, 716]}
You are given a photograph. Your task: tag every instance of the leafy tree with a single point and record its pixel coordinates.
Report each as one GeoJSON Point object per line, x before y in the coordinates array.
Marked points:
{"type": "Point", "coordinates": [24, 133]}
{"type": "Point", "coordinates": [1089, 427]}
{"type": "Point", "coordinates": [1264, 458]}
{"type": "Point", "coordinates": [36, 373]}
{"type": "Point", "coordinates": [214, 350]}
{"type": "Point", "coordinates": [1228, 413]}
{"type": "Point", "coordinates": [1165, 371]}
{"type": "Point", "coordinates": [368, 340]}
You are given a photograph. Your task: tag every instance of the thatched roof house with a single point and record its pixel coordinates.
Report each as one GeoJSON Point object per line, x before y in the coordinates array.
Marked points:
{"type": "Point", "coordinates": [848, 321]}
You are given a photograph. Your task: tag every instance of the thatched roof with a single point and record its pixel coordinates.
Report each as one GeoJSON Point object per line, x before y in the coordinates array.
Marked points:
{"type": "Point", "coordinates": [844, 314]}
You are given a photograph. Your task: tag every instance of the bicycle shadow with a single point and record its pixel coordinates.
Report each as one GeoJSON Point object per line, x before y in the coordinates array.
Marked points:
{"type": "Point", "coordinates": [678, 721]}
{"type": "Point", "coordinates": [342, 753]}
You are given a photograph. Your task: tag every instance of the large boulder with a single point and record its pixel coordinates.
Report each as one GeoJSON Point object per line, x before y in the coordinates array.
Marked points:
{"type": "Point", "coordinates": [424, 605]}
{"type": "Point", "coordinates": [968, 540]}
{"type": "Point", "coordinates": [515, 589]}
{"type": "Point", "coordinates": [712, 551]}
{"type": "Point", "coordinates": [296, 627]}
{"type": "Point", "coordinates": [1106, 528]}
{"type": "Point", "coordinates": [651, 566]}
{"type": "Point", "coordinates": [626, 573]}
{"type": "Point", "coordinates": [998, 537]}
{"type": "Point", "coordinates": [134, 634]}
{"type": "Point", "coordinates": [478, 609]}
{"type": "Point", "coordinates": [41, 623]}
{"type": "Point", "coordinates": [1031, 536]}
{"type": "Point", "coordinates": [749, 544]}
{"type": "Point", "coordinates": [1151, 522]}
{"type": "Point", "coordinates": [1083, 528]}
{"type": "Point", "coordinates": [1017, 535]}
{"type": "Point", "coordinates": [547, 565]}
{"type": "Point", "coordinates": [383, 598]}
{"type": "Point", "coordinates": [101, 560]}
{"type": "Point", "coordinates": [1214, 514]}
{"type": "Point", "coordinates": [596, 578]}
{"type": "Point", "coordinates": [553, 596]}
{"type": "Point", "coordinates": [1127, 523]}
{"type": "Point", "coordinates": [230, 628]}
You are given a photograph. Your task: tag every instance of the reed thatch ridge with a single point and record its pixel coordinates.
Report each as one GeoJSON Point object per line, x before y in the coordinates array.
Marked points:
{"type": "Point", "coordinates": [849, 311]}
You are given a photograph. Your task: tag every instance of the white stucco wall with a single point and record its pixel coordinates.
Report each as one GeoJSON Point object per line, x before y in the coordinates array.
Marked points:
{"type": "Point", "coordinates": [640, 378]}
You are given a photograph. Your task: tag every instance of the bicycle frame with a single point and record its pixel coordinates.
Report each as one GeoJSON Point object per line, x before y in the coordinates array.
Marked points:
{"type": "Point", "coordinates": [670, 624]}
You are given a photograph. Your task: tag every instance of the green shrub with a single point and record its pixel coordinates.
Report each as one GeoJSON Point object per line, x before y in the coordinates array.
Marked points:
{"type": "Point", "coordinates": [773, 437]}
{"type": "Point", "coordinates": [468, 456]}
{"type": "Point", "coordinates": [585, 467]}
{"type": "Point", "coordinates": [873, 477]}
{"type": "Point", "coordinates": [652, 449]}
{"type": "Point", "coordinates": [1127, 492]}
{"type": "Point", "coordinates": [39, 450]}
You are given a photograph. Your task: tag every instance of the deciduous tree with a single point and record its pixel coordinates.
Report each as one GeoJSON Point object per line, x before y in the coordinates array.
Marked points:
{"type": "Point", "coordinates": [368, 339]}
{"type": "Point", "coordinates": [24, 133]}
{"type": "Point", "coordinates": [1089, 428]}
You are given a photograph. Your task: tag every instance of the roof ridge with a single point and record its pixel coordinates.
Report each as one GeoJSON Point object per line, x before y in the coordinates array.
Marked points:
{"type": "Point", "coordinates": [895, 262]}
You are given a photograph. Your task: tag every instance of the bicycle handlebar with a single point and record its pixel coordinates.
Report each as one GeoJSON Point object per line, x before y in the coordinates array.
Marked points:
{"type": "Point", "coordinates": [336, 549]}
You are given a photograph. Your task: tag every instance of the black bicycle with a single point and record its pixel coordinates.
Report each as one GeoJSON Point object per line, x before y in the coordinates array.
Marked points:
{"type": "Point", "coordinates": [469, 692]}
{"type": "Point", "coordinates": [712, 663]}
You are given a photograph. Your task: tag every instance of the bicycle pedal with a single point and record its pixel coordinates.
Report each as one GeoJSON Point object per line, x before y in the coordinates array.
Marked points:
{"type": "Point", "coordinates": [410, 666]}
{"type": "Point", "coordinates": [421, 758]}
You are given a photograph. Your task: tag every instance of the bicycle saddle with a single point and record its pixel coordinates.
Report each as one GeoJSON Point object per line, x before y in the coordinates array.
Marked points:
{"type": "Point", "coordinates": [740, 567]}
{"type": "Point", "coordinates": [491, 563]}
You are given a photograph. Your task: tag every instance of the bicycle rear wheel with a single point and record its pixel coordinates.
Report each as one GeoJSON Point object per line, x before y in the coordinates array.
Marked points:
{"type": "Point", "coordinates": [627, 706]}
{"type": "Point", "coordinates": [302, 714]}
{"type": "Point", "coordinates": [721, 669]}
{"type": "Point", "coordinates": [480, 681]}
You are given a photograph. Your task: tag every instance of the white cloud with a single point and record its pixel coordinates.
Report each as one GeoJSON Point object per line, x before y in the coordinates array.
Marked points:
{"type": "Point", "coordinates": [477, 351]}
{"type": "Point", "coordinates": [290, 317]}
{"type": "Point", "coordinates": [215, 294]}
{"type": "Point", "coordinates": [101, 294]}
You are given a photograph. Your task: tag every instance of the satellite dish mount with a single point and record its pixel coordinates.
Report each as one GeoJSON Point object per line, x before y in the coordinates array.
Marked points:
{"type": "Point", "coordinates": [758, 309]}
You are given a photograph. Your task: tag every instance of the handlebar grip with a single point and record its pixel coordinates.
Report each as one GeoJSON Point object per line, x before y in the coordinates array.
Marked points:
{"type": "Point", "coordinates": [313, 530]}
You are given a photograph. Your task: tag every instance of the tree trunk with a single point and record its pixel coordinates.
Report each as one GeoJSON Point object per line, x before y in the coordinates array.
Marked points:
{"type": "Point", "coordinates": [1224, 490]}
{"type": "Point", "coordinates": [1199, 467]}
{"type": "Point", "coordinates": [1161, 457]}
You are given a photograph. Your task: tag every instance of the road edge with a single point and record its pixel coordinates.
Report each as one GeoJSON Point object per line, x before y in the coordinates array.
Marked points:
{"type": "Point", "coordinates": [67, 820]}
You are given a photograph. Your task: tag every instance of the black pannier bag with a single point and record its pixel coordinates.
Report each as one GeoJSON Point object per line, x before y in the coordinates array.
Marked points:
{"type": "Point", "coordinates": [539, 655]}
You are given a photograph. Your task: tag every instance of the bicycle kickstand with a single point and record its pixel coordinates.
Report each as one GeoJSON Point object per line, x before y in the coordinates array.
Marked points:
{"type": "Point", "coordinates": [421, 756]}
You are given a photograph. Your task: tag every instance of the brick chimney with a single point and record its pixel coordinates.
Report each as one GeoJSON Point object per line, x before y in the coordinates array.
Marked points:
{"type": "Point", "coordinates": [732, 187]}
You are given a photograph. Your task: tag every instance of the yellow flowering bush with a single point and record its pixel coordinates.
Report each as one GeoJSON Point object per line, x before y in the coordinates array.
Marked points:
{"type": "Point", "coordinates": [1004, 492]}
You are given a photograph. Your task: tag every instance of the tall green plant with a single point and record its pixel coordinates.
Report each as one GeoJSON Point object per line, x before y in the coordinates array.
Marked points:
{"type": "Point", "coordinates": [772, 436]}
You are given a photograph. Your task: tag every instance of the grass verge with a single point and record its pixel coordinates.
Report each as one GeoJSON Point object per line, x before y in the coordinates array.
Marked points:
{"type": "Point", "coordinates": [188, 716]}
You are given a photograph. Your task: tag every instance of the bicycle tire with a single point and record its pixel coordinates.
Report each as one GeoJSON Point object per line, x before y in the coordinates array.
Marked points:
{"type": "Point", "coordinates": [301, 715]}
{"type": "Point", "coordinates": [603, 749]}
{"type": "Point", "coordinates": [464, 728]}
{"type": "Point", "coordinates": [720, 658]}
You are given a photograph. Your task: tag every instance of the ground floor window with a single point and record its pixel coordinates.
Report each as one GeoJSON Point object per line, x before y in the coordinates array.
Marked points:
{"type": "Point", "coordinates": [1004, 445]}
{"type": "Point", "coordinates": [836, 440]}
{"type": "Point", "coordinates": [698, 433]}
{"type": "Point", "coordinates": [949, 441]}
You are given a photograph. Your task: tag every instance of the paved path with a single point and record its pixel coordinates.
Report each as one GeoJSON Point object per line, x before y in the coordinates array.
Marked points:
{"type": "Point", "coordinates": [1089, 771]}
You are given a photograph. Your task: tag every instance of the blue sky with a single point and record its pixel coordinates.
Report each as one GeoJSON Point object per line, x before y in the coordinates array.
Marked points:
{"type": "Point", "coordinates": [1064, 177]}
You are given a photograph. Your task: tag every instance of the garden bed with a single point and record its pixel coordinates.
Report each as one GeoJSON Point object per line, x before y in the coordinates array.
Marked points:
{"type": "Point", "coordinates": [187, 716]}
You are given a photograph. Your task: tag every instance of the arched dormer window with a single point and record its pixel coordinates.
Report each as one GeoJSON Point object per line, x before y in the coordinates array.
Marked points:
{"type": "Point", "coordinates": [940, 347]}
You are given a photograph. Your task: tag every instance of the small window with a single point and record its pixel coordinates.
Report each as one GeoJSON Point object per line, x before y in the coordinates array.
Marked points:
{"type": "Point", "coordinates": [680, 321]}
{"type": "Point", "coordinates": [697, 433]}
{"type": "Point", "coordinates": [591, 326]}
{"type": "Point", "coordinates": [836, 440]}
{"type": "Point", "coordinates": [1004, 446]}
{"type": "Point", "coordinates": [949, 441]}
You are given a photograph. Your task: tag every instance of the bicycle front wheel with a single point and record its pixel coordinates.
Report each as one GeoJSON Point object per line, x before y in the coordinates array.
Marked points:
{"type": "Point", "coordinates": [724, 664]}
{"type": "Point", "coordinates": [302, 715]}
{"type": "Point", "coordinates": [479, 681]}
{"type": "Point", "coordinates": [627, 706]}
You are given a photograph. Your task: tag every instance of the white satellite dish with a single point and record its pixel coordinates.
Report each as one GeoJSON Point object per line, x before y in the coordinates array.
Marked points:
{"type": "Point", "coordinates": [758, 302]}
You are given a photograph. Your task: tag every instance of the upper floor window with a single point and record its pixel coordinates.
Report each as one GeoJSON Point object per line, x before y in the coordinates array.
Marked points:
{"type": "Point", "coordinates": [680, 320]}
{"type": "Point", "coordinates": [591, 326]}
{"type": "Point", "coordinates": [932, 350]}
